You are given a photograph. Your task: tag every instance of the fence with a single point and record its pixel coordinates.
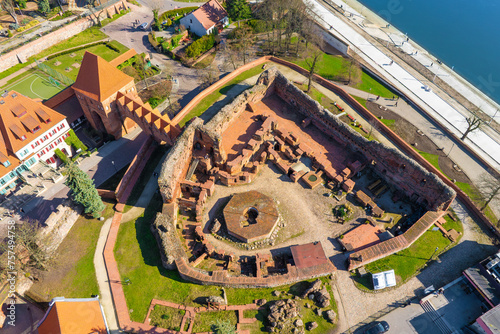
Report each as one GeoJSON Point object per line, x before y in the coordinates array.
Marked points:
{"type": "Point", "coordinates": [55, 74]}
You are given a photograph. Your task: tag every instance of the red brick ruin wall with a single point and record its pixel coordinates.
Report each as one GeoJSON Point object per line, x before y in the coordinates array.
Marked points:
{"type": "Point", "coordinates": [420, 185]}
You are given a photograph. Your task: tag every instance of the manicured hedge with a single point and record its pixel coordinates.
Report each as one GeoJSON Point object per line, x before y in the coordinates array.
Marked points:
{"type": "Point", "coordinates": [174, 12]}
{"type": "Point", "coordinates": [74, 141]}
{"type": "Point", "coordinates": [200, 46]}
{"type": "Point", "coordinates": [109, 45]}
{"type": "Point", "coordinates": [61, 155]}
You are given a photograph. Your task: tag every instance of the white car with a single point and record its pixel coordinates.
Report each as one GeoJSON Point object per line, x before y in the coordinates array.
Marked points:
{"type": "Point", "coordinates": [143, 26]}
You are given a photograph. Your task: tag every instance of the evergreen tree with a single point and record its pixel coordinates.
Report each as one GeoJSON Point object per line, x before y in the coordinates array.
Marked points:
{"type": "Point", "coordinates": [84, 191]}
{"type": "Point", "coordinates": [223, 327]}
{"type": "Point", "coordinates": [238, 10]}
{"type": "Point", "coordinates": [44, 6]}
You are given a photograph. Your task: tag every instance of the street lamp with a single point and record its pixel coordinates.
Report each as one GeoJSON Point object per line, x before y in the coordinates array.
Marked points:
{"type": "Point", "coordinates": [113, 163]}
{"type": "Point", "coordinates": [434, 253]}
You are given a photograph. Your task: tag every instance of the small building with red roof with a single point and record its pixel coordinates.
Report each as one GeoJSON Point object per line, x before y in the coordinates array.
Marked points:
{"type": "Point", "coordinates": [74, 316]}
{"type": "Point", "coordinates": [205, 19]}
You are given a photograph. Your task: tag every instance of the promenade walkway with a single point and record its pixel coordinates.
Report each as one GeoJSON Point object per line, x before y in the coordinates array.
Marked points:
{"type": "Point", "coordinates": [409, 85]}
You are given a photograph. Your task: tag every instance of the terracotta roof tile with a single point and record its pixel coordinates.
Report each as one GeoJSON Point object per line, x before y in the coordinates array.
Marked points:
{"type": "Point", "coordinates": [99, 79]}
{"type": "Point", "coordinates": [73, 317]}
{"type": "Point", "coordinates": [210, 13]}
{"type": "Point", "coordinates": [13, 128]}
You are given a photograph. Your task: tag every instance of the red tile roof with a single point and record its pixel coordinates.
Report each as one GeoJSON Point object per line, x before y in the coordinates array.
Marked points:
{"type": "Point", "coordinates": [210, 13]}
{"type": "Point", "coordinates": [308, 255]}
{"type": "Point", "coordinates": [73, 317]}
{"type": "Point", "coordinates": [99, 79]}
{"type": "Point", "coordinates": [19, 115]}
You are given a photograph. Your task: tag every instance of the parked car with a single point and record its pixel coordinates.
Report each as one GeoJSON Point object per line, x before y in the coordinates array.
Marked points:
{"type": "Point", "coordinates": [377, 327]}
{"type": "Point", "coordinates": [143, 26]}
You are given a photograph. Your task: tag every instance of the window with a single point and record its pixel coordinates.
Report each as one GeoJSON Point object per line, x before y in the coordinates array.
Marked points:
{"type": "Point", "coordinates": [54, 131]}
{"type": "Point", "coordinates": [36, 129]}
{"type": "Point", "coordinates": [46, 137]}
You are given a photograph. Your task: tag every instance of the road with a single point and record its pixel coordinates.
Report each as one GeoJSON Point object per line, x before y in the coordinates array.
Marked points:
{"type": "Point", "coordinates": [399, 77]}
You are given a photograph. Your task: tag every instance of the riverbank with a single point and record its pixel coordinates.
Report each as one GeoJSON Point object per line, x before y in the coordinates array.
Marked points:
{"type": "Point", "coordinates": [376, 26]}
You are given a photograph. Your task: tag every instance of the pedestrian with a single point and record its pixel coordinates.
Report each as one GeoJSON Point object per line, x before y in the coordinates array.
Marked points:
{"type": "Point", "coordinates": [407, 39]}
{"type": "Point", "coordinates": [396, 104]}
{"type": "Point", "coordinates": [393, 97]}
{"type": "Point", "coordinates": [432, 64]}
{"type": "Point", "coordinates": [392, 61]}
{"type": "Point", "coordinates": [416, 53]}
{"type": "Point", "coordinates": [378, 97]}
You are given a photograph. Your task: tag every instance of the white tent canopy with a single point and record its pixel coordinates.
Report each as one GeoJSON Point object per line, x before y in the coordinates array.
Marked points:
{"type": "Point", "coordinates": [384, 279]}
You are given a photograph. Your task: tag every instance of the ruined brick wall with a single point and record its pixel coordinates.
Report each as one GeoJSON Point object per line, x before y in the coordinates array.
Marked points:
{"type": "Point", "coordinates": [165, 233]}
{"type": "Point", "coordinates": [404, 173]}
{"type": "Point", "coordinates": [175, 165]}
{"type": "Point", "coordinates": [213, 130]}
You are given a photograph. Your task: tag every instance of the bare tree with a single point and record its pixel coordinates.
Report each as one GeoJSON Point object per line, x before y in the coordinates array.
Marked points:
{"type": "Point", "coordinates": [92, 5]}
{"type": "Point", "coordinates": [10, 7]}
{"type": "Point", "coordinates": [489, 187]}
{"type": "Point", "coordinates": [473, 123]}
{"type": "Point", "coordinates": [313, 56]}
{"type": "Point", "coordinates": [29, 248]}
{"type": "Point", "coordinates": [209, 75]}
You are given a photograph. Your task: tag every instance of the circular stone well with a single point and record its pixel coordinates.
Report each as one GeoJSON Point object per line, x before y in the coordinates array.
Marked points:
{"type": "Point", "coordinates": [250, 216]}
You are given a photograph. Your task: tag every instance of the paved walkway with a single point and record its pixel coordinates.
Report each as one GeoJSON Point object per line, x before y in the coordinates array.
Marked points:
{"type": "Point", "coordinates": [408, 84]}
{"type": "Point", "coordinates": [99, 167]}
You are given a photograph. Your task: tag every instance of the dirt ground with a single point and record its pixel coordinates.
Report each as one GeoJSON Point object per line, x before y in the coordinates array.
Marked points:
{"type": "Point", "coordinates": [409, 133]}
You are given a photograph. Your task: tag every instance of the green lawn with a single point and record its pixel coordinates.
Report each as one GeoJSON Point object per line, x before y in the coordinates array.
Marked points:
{"type": "Point", "coordinates": [203, 321]}
{"type": "Point", "coordinates": [337, 68]}
{"type": "Point", "coordinates": [432, 158]}
{"type": "Point", "coordinates": [36, 85]}
{"type": "Point", "coordinates": [72, 273]}
{"type": "Point", "coordinates": [167, 317]}
{"type": "Point", "coordinates": [408, 261]}
{"type": "Point", "coordinates": [138, 259]}
{"type": "Point", "coordinates": [475, 196]}
{"type": "Point", "coordinates": [209, 100]}
{"type": "Point", "coordinates": [361, 100]}
{"type": "Point", "coordinates": [67, 61]}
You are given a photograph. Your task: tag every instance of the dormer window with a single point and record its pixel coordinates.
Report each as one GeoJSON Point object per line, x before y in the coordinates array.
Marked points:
{"type": "Point", "coordinates": [48, 121]}
{"type": "Point", "coordinates": [36, 129]}
{"type": "Point", "coordinates": [6, 163]}
{"type": "Point", "coordinates": [23, 137]}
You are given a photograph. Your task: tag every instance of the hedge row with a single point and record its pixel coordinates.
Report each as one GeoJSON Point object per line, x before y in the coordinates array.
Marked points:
{"type": "Point", "coordinates": [27, 26]}
{"type": "Point", "coordinates": [109, 45]}
{"type": "Point", "coordinates": [175, 12]}
{"type": "Point", "coordinates": [200, 46]}
{"type": "Point", "coordinates": [74, 141]}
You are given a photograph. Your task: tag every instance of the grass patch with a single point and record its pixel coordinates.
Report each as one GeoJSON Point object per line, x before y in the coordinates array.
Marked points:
{"type": "Point", "coordinates": [201, 107]}
{"type": "Point", "coordinates": [475, 196]}
{"type": "Point", "coordinates": [361, 100]}
{"type": "Point", "coordinates": [389, 123]}
{"type": "Point", "coordinates": [453, 224]}
{"type": "Point", "coordinates": [66, 61]}
{"type": "Point", "coordinates": [167, 317]}
{"type": "Point", "coordinates": [72, 273]}
{"type": "Point", "coordinates": [408, 261]}
{"type": "Point", "coordinates": [337, 68]}
{"type": "Point", "coordinates": [138, 259]}
{"type": "Point", "coordinates": [203, 321]}
{"type": "Point", "coordinates": [432, 158]}
{"type": "Point", "coordinates": [205, 62]}
{"type": "Point", "coordinates": [377, 88]}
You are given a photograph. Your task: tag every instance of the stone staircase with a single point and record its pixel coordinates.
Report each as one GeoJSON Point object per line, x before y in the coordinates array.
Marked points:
{"type": "Point", "coordinates": [436, 318]}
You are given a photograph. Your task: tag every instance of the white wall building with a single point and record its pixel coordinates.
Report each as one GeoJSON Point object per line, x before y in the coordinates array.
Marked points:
{"type": "Point", "coordinates": [206, 19]}
{"type": "Point", "coordinates": [29, 132]}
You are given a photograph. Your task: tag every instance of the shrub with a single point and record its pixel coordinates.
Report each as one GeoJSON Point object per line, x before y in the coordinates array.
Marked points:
{"type": "Point", "coordinates": [74, 141]}
{"type": "Point", "coordinates": [21, 3]}
{"type": "Point", "coordinates": [175, 12]}
{"type": "Point", "coordinates": [200, 46]}
{"type": "Point", "coordinates": [9, 33]}
{"type": "Point", "coordinates": [25, 21]}
{"type": "Point", "coordinates": [61, 155]}
{"type": "Point", "coordinates": [13, 26]}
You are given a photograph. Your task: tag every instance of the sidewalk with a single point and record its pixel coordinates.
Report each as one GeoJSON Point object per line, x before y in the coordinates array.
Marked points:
{"type": "Point", "coordinates": [99, 263]}
{"type": "Point", "coordinates": [409, 85]}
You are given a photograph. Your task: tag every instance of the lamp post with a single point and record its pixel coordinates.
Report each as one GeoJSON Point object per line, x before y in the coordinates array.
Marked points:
{"type": "Point", "coordinates": [113, 163]}
{"type": "Point", "coordinates": [434, 253]}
